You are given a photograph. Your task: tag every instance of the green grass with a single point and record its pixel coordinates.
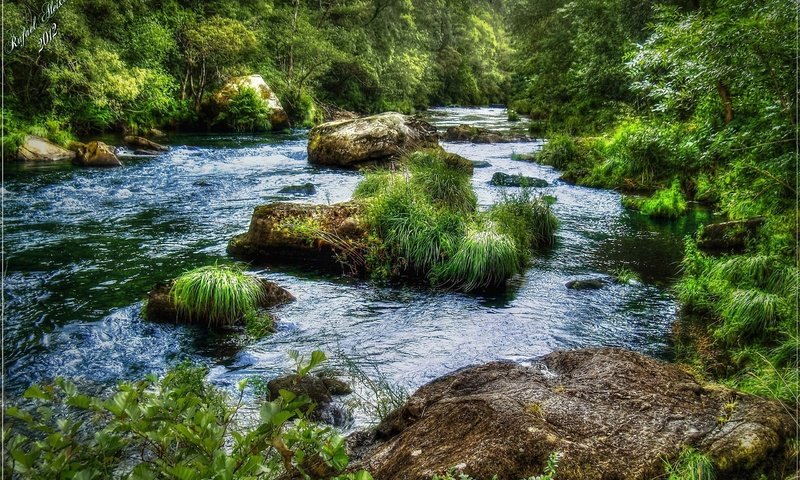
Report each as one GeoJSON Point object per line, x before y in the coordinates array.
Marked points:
{"type": "Point", "coordinates": [220, 295]}
{"type": "Point", "coordinates": [625, 275]}
{"type": "Point", "coordinates": [443, 179]}
{"type": "Point", "coordinates": [667, 203]}
{"type": "Point", "coordinates": [425, 222]}
{"type": "Point", "coordinates": [560, 151]}
{"type": "Point", "coordinates": [527, 219]}
{"type": "Point", "coordinates": [485, 258]}
{"type": "Point", "coordinates": [691, 465]}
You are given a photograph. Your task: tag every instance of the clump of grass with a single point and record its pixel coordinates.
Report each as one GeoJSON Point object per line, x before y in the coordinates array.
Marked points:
{"type": "Point", "coordinates": [625, 275]}
{"type": "Point", "coordinates": [513, 116]}
{"type": "Point", "coordinates": [691, 465]}
{"type": "Point", "coordinates": [220, 294]}
{"type": "Point", "coordinates": [668, 203]}
{"type": "Point", "coordinates": [559, 151]}
{"type": "Point", "coordinates": [527, 219]}
{"type": "Point", "coordinates": [485, 259]}
{"type": "Point", "coordinates": [445, 182]}
{"type": "Point", "coordinates": [425, 219]}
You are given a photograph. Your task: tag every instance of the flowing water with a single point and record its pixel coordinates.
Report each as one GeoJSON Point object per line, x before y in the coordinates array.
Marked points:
{"type": "Point", "coordinates": [84, 246]}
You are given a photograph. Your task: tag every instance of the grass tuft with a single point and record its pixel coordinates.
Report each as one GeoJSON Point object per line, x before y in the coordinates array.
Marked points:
{"type": "Point", "coordinates": [691, 465]}
{"type": "Point", "coordinates": [222, 295]}
{"type": "Point", "coordinates": [485, 259]}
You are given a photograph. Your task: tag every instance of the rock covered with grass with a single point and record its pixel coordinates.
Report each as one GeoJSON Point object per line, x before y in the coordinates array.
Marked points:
{"type": "Point", "coordinates": [215, 296]}
{"type": "Point", "coordinates": [606, 413]}
{"type": "Point", "coordinates": [348, 143]}
{"type": "Point", "coordinates": [500, 179]}
{"type": "Point", "coordinates": [418, 222]}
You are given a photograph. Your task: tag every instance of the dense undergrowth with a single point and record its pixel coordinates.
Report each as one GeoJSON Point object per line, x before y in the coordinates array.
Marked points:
{"type": "Point", "coordinates": [702, 113]}
{"type": "Point", "coordinates": [426, 223]}
{"type": "Point", "coordinates": [178, 427]}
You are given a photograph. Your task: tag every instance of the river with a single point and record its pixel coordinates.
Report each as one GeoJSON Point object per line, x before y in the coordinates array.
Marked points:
{"type": "Point", "coordinates": [84, 246]}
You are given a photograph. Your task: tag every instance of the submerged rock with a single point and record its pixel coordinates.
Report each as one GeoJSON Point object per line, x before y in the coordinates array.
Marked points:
{"type": "Point", "coordinates": [320, 389]}
{"type": "Point", "coordinates": [141, 143]}
{"type": "Point", "coordinates": [304, 189]}
{"type": "Point", "coordinates": [96, 154]}
{"type": "Point", "coordinates": [501, 179]}
{"type": "Point", "coordinates": [38, 149]}
{"type": "Point", "coordinates": [347, 143]}
{"type": "Point", "coordinates": [468, 133]}
{"type": "Point", "coordinates": [290, 232]}
{"type": "Point", "coordinates": [161, 308]}
{"type": "Point", "coordinates": [609, 413]}
{"type": "Point", "coordinates": [731, 236]}
{"type": "Point", "coordinates": [481, 164]}
{"type": "Point", "coordinates": [278, 119]}
{"type": "Point", "coordinates": [587, 284]}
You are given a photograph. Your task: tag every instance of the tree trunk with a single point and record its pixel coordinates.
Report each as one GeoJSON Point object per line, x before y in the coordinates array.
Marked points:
{"type": "Point", "coordinates": [725, 95]}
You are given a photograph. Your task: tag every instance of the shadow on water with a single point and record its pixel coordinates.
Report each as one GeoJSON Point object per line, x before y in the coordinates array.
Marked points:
{"type": "Point", "coordinates": [85, 246]}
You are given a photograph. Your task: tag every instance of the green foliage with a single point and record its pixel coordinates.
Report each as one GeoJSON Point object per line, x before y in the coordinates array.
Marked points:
{"type": "Point", "coordinates": [246, 112]}
{"type": "Point", "coordinates": [668, 203]}
{"type": "Point", "coordinates": [220, 295]}
{"type": "Point", "coordinates": [625, 276]}
{"type": "Point", "coordinates": [485, 258]}
{"type": "Point", "coordinates": [527, 219]}
{"type": "Point", "coordinates": [444, 181]}
{"type": "Point", "coordinates": [691, 465]}
{"type": "Point", "coordinates": [179, 427]}
{"type": "Point", "coordinates": [559, 151]}
{"type": "Point", "coordinates": [426, 223]}
{"type": "Point", "coordinates": [750, 301]}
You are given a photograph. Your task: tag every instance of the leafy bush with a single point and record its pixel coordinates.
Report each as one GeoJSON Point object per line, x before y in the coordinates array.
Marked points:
{"type": "Point", "coordinates": [246, 112]}
{"type": "Point", "coordinates": [179, 427]}
{"type": "Point", "coordinates": [220, 295]}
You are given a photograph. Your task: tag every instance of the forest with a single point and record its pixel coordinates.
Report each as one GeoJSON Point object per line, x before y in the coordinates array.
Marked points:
{"type": "Point", "coordinates": [684, 108]}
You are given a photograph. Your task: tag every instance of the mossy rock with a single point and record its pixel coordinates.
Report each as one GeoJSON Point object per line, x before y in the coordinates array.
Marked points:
{"type": "Point", "coordinates": [500, 179]}
{"type": "Point", "coordinates": [290, 233]}
{"type": "Point", "coordinates": [160, 306]}
{"type": "Point", "coordinates": [469, 133]}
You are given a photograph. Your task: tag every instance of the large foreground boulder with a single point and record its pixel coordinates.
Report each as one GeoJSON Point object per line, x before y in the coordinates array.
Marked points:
{"type": "Point", "coordinates": [611, 414]}
{"type": "Point", "coordinates": [96, 154]}
{"type": "Point", "coordinates": [305, 234]}
{"type": "Point", "coordinates": [348, 143]}
{"type": "Point", "coordinates": [38, 149]}
{"type": "Point", "coordinates": [160, 307]}
{"type": "Point", "coordinates": [278, 118]}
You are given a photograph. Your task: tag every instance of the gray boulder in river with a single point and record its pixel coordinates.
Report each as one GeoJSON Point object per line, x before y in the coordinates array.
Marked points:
{"type": "Point", "coordinates": [38, 149]}
{"type": "Point", "coordinates": [348, 143]}
{"type": "Point", "coordinates": [609, 413]}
